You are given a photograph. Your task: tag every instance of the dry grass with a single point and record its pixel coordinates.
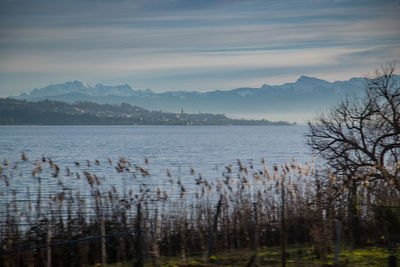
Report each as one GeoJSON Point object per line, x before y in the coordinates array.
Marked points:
{"type": "Point", "coordinates": [247, 208]}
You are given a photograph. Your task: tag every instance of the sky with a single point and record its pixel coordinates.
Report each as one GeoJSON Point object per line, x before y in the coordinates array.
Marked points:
{"type": "Point", "coordinates": [195, 45]}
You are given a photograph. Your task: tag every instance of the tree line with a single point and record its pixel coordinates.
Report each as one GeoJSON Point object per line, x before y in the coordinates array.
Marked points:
{"type": "Point", "coordinates": [17, 112]}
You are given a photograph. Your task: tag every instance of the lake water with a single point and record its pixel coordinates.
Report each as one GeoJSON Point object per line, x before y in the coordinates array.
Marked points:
{"type": "Point", "coordinates": [206, 149]}
{"type": "Point", "coordinates": [200, 147]}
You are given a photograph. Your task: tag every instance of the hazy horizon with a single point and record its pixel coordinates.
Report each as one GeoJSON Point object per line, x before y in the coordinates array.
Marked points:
{"type": "Point", "coordinates": [28, 91]}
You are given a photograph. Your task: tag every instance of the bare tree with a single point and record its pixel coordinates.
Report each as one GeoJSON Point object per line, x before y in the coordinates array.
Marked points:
{"type": "Point", "coordinates": [360, 138]}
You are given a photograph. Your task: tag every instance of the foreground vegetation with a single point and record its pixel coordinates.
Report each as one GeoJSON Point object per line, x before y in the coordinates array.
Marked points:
{"type": "Point", "coordinates": [189, 218]}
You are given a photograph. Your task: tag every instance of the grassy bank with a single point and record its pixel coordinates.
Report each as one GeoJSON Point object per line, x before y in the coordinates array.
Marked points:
{"type": "Point", "coordinates": [296, 256]}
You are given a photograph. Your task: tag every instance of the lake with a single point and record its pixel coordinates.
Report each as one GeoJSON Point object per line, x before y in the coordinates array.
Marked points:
{"type": "Point", "coordinates": [200, 147]}
{"type": "Point", "coordinates": [206, 149]}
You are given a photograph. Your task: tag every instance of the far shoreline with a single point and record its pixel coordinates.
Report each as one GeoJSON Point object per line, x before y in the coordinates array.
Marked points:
{"type": "Point", "coordinates": [153, 125]}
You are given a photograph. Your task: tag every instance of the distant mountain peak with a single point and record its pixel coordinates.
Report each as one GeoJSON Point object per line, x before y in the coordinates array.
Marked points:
{"type": "Point", "coordinates": [307, 79]}
{"type": "Point", "coordinates": [75, 83]}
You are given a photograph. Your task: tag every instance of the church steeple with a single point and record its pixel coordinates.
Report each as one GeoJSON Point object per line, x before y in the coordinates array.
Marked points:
{"type": "Point", "coordinates": [182, 111]}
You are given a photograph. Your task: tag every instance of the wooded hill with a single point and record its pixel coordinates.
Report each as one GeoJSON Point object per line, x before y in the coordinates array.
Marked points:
{"type": "Point", "coordinates": [21, 112]}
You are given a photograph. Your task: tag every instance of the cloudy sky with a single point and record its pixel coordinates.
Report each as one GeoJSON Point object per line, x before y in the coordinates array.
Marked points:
{"type": "Point", "coordinates": [198, 45]}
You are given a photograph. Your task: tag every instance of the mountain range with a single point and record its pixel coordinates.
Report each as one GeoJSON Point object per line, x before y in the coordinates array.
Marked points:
{"type": "Point", "coordinates": [297, 102]}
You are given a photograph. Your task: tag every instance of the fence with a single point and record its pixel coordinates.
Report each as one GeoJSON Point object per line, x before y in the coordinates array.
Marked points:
{"type": "Point", "coordinates": [69, 242]}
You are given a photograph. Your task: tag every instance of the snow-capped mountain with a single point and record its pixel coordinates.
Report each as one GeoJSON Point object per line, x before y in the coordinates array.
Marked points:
{"type": "Point", "coordinates": [297, 101]}
{"type": "Point", "coordinates": [78, 87]}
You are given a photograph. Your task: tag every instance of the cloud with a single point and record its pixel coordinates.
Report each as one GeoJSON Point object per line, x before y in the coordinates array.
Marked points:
{"type": "Point", "coordinates": [154, 42]}
{"type": "Point", "coordinates": [175, 61]}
